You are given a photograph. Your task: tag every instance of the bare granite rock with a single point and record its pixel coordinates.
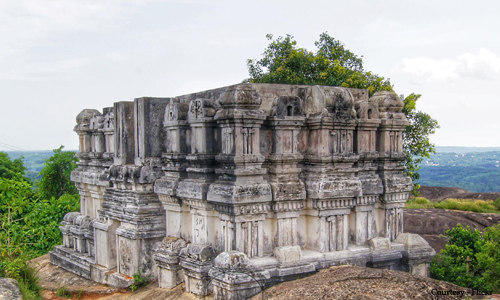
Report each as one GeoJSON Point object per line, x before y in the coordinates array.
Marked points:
{"type": "Point", "coordinates": [432, 223]}
{"type": "Point", "coordinates": [9, 289]}
{"type": "Point", "coordinates": [352, 282]}
{"type": "Point", "coordinates": [438, 193]}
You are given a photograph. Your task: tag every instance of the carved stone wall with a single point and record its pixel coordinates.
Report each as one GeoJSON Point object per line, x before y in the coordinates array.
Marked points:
{"type": "Point", "coordinates": [290, 178]}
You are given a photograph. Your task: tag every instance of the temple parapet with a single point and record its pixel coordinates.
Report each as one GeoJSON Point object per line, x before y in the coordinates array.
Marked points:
{"type": "Point", "coordinates": [273, 180]}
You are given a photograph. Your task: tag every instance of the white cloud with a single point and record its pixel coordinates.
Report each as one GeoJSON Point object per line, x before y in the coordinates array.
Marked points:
{"type": "Point", "coordinates": [483, 65]}
{"type": "Point", "coordinates": [29, 26]}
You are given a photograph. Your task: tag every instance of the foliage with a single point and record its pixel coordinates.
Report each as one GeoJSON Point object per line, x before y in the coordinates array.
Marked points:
{"type": "Point", "coordinates": [416, 143]}
{"type": "Point", "coordinates": [473, 171]}
{"type": "Point", "coordinates": [29, 282]}
{"type": "Point", "coordinates": [139, 281]}
{"type": "Point", "coordinates": [480, 206]}
{"type": "Point", "coordinates": [29, 223]}
{"type": "Point", "coordinates": [333, 64]}
{"type": "Point", "coordinates": [11, 169]}
{"type": "Point", "coordinates": [63, 292]}
{"type": "Point", "coordinates": [55, 176]}
{"type": "Point", "coordinates": [34, 161]}
{"type": "Point", "coordinates": [470, 259]}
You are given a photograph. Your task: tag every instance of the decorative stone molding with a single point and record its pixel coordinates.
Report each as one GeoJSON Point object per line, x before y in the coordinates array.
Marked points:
{"type": "Point", "coordinates": [166, 256]}
{"type": "Point", "coordinates": [282, 180]}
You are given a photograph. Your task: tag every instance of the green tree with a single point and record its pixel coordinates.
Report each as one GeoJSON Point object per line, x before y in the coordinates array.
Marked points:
{"type": "Point", "coordinates": [470, 259]}
{"type": "Point", "coordinates": [416, 142]}
{"type": "Point", "coordinates": [333, 64]}
{"type": "Point", "coordinates": [11, 169]}
{"type": "Point", "coordinates": [28, 228]}
{"type": "Point", "coordinates": [55, 176]}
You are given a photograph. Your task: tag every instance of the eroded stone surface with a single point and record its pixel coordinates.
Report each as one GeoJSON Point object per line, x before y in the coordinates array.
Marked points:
{"type": "Point", "coordinates": [351, 282]}
{"type": "Point", "coordinates": [295, 178]}
{"type": "Point", "coordinates": [9, 289]}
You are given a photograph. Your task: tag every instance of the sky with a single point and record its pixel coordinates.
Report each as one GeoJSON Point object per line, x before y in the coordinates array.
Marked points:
{"type": "Point", "coordinates": [58, 57]}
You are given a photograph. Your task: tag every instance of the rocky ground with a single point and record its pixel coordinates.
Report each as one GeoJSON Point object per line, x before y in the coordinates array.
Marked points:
{"type": "Point", "coordinates": [53, 278]}
{"type": "Point", "coordinates": [432, 223]}
{"type": "Point", "coordinates": [342, 282]}
{"type": "Point", "coordinates": [352, 282]}
{"type": "Point", "coordinates": [435, 193]}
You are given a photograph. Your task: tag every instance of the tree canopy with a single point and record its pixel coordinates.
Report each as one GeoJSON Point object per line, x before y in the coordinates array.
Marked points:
{"type": "Point", "coordinates": [333, 64]}
{"type": "Point", "coordinates": [55, 176]}
{"type": "Point", "coordinates": [29, 217]}
{"type": "Point", "coordinates": [470, 259]}
{"type": "Point", "coordinates": [11, 169]}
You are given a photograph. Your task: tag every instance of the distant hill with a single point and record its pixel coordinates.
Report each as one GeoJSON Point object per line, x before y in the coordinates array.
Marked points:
{"type": "Point", "coordinates": [457, 149]}
{"type": "Point", "coordinates": [477, 171]}
{"type": "Point", "coordinates": [33, 161]}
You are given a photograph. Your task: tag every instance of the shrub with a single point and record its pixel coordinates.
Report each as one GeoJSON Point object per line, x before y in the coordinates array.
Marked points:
{"type": "Point", "coordinates": [470, 259]}
{"type": "Point", "coordinates": [497, 204]}
{"type": "Point", "coordinates": [139, 280]}
{"type": "Point", "coordinates": [63, 292]}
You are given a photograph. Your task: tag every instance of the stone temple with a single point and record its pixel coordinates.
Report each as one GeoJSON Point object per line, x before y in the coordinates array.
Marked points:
{"type": "Point", "coordinates": [236, 188]}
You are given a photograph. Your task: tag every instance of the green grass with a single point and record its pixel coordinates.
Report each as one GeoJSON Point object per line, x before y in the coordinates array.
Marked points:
{"type": "Point", "coordinates": [29, 283]}
{"type": "Point", "coordinates": [63, 292]}
{"type": "Point", "coordinates": [480, 206]}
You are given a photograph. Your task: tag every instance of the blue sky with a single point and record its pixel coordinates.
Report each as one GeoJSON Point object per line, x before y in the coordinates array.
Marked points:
{"type": "Point", "coordinates": [58, 57]}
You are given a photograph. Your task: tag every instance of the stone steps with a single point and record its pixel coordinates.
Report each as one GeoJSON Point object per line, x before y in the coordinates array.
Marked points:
{"type": "Point", "coordinates": [71, 261]}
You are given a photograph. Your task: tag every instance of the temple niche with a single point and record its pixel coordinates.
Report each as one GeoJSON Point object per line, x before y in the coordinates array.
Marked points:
{"type": "Point", "coordinates": [265, 180]}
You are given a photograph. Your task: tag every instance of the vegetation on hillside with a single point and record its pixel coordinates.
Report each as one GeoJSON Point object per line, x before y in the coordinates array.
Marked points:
{"type": "Point", "coordinates": [470, 259]}
{"type": "Point", "coordinates": [476, 172]}
{"type": "Point", "coordinates": [29, 217]}
{"type": "Point", "coordinates": [34, 161]}
{"type": "Point", "coordinates": [333, 64]}
{"type": "Point", "coordinates": [479, 206]}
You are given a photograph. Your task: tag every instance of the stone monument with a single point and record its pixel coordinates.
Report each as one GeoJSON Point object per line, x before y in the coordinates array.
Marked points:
{"type": "Point", "coordinates": [236, 188]}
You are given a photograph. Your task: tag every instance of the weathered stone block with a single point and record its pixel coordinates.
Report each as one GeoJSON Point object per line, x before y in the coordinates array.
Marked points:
{"type": "Point", "coordinates": [272, 171]}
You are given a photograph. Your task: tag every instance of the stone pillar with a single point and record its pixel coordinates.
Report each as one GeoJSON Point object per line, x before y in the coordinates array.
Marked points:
{"type": "Point", "coordinates": [97, 135]}
{"type": "Point", "coordinates": [200, 170]}
{"type": "Point", "coordinates": [149, 136]}
{"type": "Point", "coordinates": [105, 238]}
{"type": "Point", "coordinates": [233, 277]}
{"type": "Point", "coordinates": [142, 222]}
{"type": "Point", "coordinates": [196, 261]}
{"type": "Point", "coordinates": [418, 255]}
{"type": "Point", "coordinates": [174, 166]}
{"type": "Point", "coordinates": [109, 134]}
{"type": "Point", "coordinates": [241, 184]}
{"type": "Point", "coordinates": [335, 234]}
{"type": "Point", "coordinates": [95, 200]}
{"type": "Point", "coordinates": [397, 185]}
{"type": "Point", "coordinates": [332, 184]}
{"type": "Point", "coordinates": [166, 256]}
{"type": "Point", "coordinates": [364, 219]}
{"type": "Point", "coordinates": [89, 239]}
{"type": "Point", "coordinates": [125, 133]}
{"type": "Point", "coordinates": [66, 224]}
{"type": "Point", "coordinates": [371, 185]}
{"type": "Point", "coordinates": [81, 224]}
{"type": "Point", "coordinates": [83, 130]}
{"type": "Point", "coordinates": [392, 216]}
{"type": "Point", "coordinates": [287, 189]}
